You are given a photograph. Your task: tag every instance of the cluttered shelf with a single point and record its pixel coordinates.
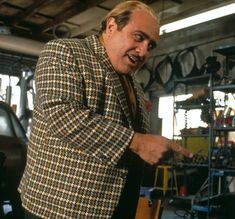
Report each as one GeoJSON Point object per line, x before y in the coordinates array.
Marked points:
{"type": "Point", "coordinates": [204, 135]}
{"type": "Point", "coordinates": [226, 129]}
{"type": "Point", "coordinates": [190, 107]}
{"type": "Point", "coordinates": [225, 88]}
{"type": "Point", "coordinates": [193, 79]}
{"type": "Point", "coordinates": [185, 164]}
{"type": "Point", "coordinates": [219, 115]}
{"type": "Point", "coordinates": [198, 160]}
{"type": "Point", "coordinates": [222, 171]}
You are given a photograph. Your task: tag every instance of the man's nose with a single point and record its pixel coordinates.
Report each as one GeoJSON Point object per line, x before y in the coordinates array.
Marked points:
{"type": "Point", "coordinates": [142, 49]}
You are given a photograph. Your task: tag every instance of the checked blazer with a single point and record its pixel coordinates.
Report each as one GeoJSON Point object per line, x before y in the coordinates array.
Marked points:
{"type": "Point", "coordinates": [80, 131]}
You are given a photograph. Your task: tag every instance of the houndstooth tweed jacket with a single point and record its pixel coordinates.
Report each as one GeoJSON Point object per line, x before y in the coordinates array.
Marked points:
{"type": "Point", "coordinates": [80, 130]}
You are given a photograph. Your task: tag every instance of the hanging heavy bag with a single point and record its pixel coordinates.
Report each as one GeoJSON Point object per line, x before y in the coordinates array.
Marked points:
{"type": "Point", "coordinates": [163, 74]}
{"type": "Point", "coordinates": [145, 77]}
{"type": "Point", "coordinates": [185, 64]}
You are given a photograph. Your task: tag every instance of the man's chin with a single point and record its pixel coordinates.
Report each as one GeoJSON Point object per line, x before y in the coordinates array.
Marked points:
{"type": "Point", "coordinates": [127, 71]}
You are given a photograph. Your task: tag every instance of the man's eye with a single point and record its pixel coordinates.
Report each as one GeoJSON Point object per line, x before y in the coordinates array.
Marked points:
{"type": "Point", "coordinates": [138, 37]}
{"type": "Point", "coordinates": [151, 46]}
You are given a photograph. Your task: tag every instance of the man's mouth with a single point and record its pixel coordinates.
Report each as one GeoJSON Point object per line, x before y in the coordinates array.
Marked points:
{"type": "Point", "coordinates": [134, 59]}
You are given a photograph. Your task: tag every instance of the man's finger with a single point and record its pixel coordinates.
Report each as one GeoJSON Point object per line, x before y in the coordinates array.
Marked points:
{"type": "Point", "coordinates": [179, 149]}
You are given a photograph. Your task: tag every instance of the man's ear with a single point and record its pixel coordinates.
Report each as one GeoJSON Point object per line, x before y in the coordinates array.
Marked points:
{"type": "Point", "coordinates": [111, 24]}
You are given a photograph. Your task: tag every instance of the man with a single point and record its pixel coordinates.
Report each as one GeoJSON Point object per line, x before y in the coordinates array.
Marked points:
{"type": "Point", "coordinates": [88, 143]}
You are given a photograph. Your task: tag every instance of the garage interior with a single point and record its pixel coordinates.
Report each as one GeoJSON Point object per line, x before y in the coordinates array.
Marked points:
{"type": "Point", "coordinates": [189, 86]}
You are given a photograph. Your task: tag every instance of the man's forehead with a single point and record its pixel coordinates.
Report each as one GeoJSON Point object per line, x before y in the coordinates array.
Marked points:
{"type": "Point", "coordinates": [145, 22]}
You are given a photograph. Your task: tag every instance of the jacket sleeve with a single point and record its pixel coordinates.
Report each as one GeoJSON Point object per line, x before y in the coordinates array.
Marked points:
{"type": "Point", "coordinates": [60, 92]}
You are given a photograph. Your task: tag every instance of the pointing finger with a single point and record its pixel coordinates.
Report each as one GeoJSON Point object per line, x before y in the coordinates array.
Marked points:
{"type": "Point", "coordinates": [179, 149]}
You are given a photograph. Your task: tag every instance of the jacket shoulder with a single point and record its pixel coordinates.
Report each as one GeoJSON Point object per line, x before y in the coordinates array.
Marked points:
{"type": "Point", "coordinates": [66, 43]}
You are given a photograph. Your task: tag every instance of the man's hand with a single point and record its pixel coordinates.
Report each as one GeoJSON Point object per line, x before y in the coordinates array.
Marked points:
{"type": "Point", "coordinates": [151, 148]}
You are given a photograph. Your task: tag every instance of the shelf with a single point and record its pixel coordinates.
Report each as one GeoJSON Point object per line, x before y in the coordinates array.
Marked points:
{"type": "Point", "coordinates": [191, 107]}
{"type": "Point", "coordinates": [228, 129]}
{"type": "Point", "coordinates": [228, 50]}
{"type": "Point", "coordinates": [215, 128]}
{"type": "Point", "coordinates": [193, 80]}
{"type": "Point", "coordinates": [193, 135]}
{"type": "Point", "coordinates": [225, 88]}
{"type": "Point", "coordinates": [183, 164]}
{"type": "Point", "coordinates": [220, 106]}
{"type": "Point", "coordinates": [222, 171]}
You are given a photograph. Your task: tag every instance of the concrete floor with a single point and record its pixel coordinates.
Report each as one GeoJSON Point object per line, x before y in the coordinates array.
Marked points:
{"type": "Point", "coordinates": [170, 210]}
{"type": "Point", "coordinates": [174, 213]}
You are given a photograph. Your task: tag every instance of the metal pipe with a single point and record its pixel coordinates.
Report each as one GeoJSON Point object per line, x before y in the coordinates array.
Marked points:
{"type": "Point", "coordinates": [8, 94]}
{"type": "Point", "coordinates": [20, 45]}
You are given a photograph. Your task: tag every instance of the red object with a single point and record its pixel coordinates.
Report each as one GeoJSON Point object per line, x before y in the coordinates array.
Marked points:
{"type": "Point", "coordinates": [225, 121]}
{"type": "Point", "coordinates": [183, 191]}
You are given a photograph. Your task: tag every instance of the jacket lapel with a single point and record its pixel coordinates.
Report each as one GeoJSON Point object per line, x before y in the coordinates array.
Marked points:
{"type": "Point", "coordinates": [114, 78]}
{"type": "Point", "coordinates": [141, 103]}
{"type": "Point", "coordinates": [144, 117]}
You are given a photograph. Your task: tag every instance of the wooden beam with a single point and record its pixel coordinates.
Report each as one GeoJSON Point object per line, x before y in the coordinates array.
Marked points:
{"type": "Point", "coordinates": [74, 10]}
{"type": "Point", "coordinates": [22, 15]}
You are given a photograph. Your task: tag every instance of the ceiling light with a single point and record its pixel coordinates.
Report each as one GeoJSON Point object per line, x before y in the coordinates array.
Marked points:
{"type": "Point", "coordinates": [199, 18]}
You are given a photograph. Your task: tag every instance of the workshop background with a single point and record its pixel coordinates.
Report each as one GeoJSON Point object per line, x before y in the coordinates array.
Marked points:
{"type": "Point", "coordinates": [189, 85]}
